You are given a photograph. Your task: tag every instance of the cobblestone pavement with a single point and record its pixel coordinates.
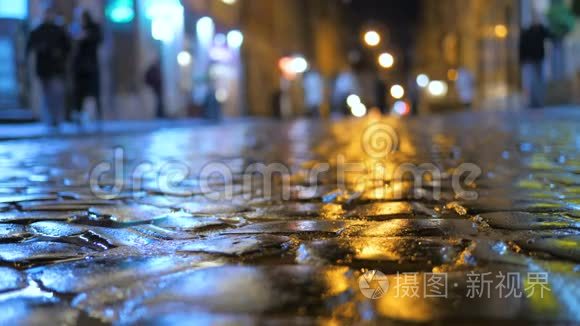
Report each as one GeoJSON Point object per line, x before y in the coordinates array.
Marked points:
{"type": "Point", "coordinates": [173, 227]}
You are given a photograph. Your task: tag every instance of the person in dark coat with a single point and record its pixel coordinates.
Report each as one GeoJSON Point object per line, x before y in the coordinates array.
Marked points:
{"type": "Point", "coordinates": [51, 45]}
{"type": "Point", "coordinates": [532, 53]}
{"type": "Point", "coordinates": [86, 74]}
{"type": "Point", "coordinates": [381, 96]}
{"type": "Point", "coordinates": [154, 79]}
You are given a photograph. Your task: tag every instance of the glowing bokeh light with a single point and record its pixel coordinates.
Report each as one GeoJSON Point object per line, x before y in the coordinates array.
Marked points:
{"type": "Point", "coordinates": [291, 66]}
{"type": "Point", "coordinates": [284, 65]}
{"type": "Point", "coordinates": [120, 11]}
{"type": "Point", "coordinates": [205, 29]}
{"type": "Point", "coordinates": [222, 95]}
{"type": "Point", "coordinates": [163, 8]}
{"type": "Point", "coordinates": [299, 65]}
{"type": "Point", "coordinates": [184, 58]}
{"type": "Point", "coordinates": [161, 31]}
{"type": "Point", "coordinates": [386, 60]}
{"type": "Point", "coordinates": [397, 91]}
{"type": "Point", "coordinates": [353, 100]}
{"type": "Point", "coordinates": [500, 31]}
{"type": "Point", "coordinates": [452, 74]}
{"type": "Point", "coordinates": [401, 108]}
{"type": "Point", "coordinates": [235, 39]}
{"type": "Point", "coordinates": [372, 38]}
{"type": "Point", "coordinates": [359, 110]}
{"type": "Point", "coordinates": [422, 80]}
{"type": "Point", "coordinates": [437, 88]}
{"type": "Point", "coordinates": [166, 18]}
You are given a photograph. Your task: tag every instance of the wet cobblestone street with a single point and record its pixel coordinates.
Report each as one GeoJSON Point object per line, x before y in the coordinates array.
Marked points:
{"type": "Point", "coordinates": [180, 225]}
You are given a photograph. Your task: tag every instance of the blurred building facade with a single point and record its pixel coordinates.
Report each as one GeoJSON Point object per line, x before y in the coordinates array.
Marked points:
{"type": "Point", "coordinates": [216, 54]}
{"type": "Point", "coordinates": [478, 36]}
{"type": "Point", "coordinates": [308, 28]}
{"type": "Point", "coordinates": [482, 36]}
{"type": "Point", "coordinates": [563, 88]}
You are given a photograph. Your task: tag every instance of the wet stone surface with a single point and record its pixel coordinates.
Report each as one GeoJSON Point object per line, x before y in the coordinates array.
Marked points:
{"type": "Point", "coordinates": [175, 226]}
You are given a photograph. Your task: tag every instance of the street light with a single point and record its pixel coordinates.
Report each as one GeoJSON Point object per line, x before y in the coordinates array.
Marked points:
{"type": "Point", "coordinates": [299, 65]}
{"type": "Point", "coordinates": [353, 100]}
{"type": "Point", "coordinates": [293, 65]}
{"type": "Point", "coordinates": [401, 108]}
{"type": "Point", "coordinates": [422, 80]}
{"type": "Point", "coordinates": [437, 88]}
{"type": "Point", "coordinates": [372, 38]}
{"type": "Point", "coordinates": [386, 60]}
{"type": "Point", "coordinates": [358, 110]}
{"type": "Point", "coordinates": [397, 91]}
{"type": "Point", "coordinates": [500, 31]}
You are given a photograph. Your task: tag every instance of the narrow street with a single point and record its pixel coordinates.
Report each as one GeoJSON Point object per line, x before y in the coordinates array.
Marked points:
{"type": "Point", "coordinates": [466, 217]}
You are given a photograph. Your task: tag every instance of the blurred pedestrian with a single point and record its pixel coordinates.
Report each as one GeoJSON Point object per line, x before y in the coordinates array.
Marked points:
{"type": "Point", "coordinates": [213, 110]}
{"type": "Point", "coordinates": [276, 103]}
{"type": "Point", "coordinates": [414, 95]}
{"type": "Point", "coordinates": [313, 92]}
{"type": "Point", "coordinates": [465, 85]}
{"type": "Point", "coordinates": [86, 73]}
{"type": "Point", "coordinates": [51, 45]}
{"type": "Point", "coordinates": [381, 95]}
{"type": "Point", "coordinates": [346, 84]}
{"type": "Point", "coordinates": [532, 53]}
{"type": "Point", "coordinates": [154, 79]}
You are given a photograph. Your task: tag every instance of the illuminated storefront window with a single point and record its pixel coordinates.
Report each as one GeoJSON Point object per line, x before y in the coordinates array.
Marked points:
{"type": "Point", "coordinates": [15, 9]}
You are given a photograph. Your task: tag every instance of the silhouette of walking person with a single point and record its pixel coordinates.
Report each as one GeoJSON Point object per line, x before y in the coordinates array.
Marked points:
{"type": "Point", "coordinates": [51, 45]}
{"type": "Point", "coordinates": [86, 66]}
